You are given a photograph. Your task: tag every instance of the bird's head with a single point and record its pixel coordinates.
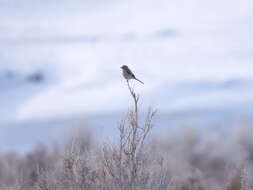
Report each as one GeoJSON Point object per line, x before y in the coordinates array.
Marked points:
{"type": "Point", "coordinates": [123, 67]}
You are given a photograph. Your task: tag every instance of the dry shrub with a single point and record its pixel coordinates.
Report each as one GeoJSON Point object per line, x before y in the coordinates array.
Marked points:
{"type": "Point", "coordinates": [125, 164]}
{"type": "Point", "coordinates": [188, 160]}
{"type": "Point", "coordinates": [170, 163]}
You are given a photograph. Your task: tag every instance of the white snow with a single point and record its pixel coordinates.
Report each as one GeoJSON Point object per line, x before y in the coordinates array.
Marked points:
{"type": "Point", "coordinates": [172, 46]}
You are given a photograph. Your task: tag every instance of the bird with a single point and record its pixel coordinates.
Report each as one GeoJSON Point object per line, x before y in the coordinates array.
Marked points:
{"type": "Point", "coordinates": [128, 74]}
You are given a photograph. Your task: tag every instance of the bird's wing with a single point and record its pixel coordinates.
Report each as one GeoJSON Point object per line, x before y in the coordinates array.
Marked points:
{"type": "Point", "coordinates": [130, 72]}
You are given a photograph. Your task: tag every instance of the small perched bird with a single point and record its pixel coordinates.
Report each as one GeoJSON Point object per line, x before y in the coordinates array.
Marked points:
{"type": "Point", "coordinates": [128, 74]}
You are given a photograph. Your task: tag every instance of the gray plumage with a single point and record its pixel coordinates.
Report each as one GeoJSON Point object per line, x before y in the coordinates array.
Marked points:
{"type": "Point", "coordinates": [128, 74]}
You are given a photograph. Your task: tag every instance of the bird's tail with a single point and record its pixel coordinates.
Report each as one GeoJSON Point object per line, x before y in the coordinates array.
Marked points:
{"type": "Point", "coordinates": [139, 80]}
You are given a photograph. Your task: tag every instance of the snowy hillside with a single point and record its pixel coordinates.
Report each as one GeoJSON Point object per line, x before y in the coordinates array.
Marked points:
{"type": "Point", "coordinates": [61, 59]}
{"type": "Point", "coordinates": [184, 46]}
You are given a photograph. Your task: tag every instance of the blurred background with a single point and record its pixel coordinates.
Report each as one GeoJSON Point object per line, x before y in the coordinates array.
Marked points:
{"type": "Point", "coordinates": [60, 65]}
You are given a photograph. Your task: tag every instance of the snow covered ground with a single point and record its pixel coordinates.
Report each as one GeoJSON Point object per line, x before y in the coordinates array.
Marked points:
{"type": "Point", "coordinates": [61, 59]}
